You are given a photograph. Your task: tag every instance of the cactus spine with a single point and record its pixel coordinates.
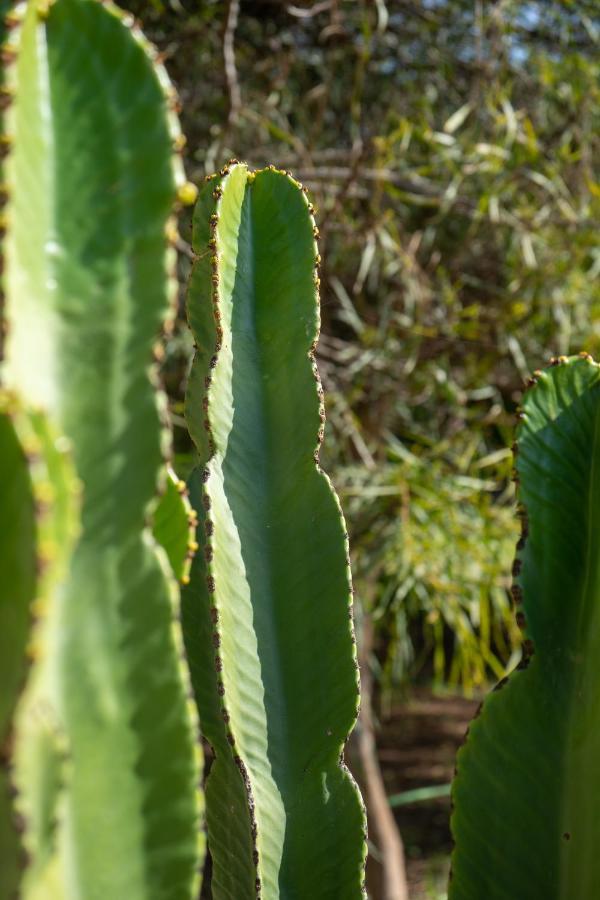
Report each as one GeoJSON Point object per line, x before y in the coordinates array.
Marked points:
{"type": "Point", "coordinates": [270, 596]}
{"type": "Point", "coordinates": [92, 179]}
{"type": "Point", "coordinates": [525, 796]}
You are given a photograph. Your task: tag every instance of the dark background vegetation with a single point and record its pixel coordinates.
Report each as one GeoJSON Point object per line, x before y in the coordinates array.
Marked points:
{"type": "Point", "coordinates": [451, 149]}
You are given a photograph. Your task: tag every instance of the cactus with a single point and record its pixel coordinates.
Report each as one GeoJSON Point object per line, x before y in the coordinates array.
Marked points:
{"type": "Point", "coordinates": [227, 811]}
{"type": "Point", "coordinates": [525, 820]}
{"type": "Point", "coordinates": [268, 615]}
{"type": "Point", "coordinates": [17, 587]}
{"type": "Point", "coordinates": [91, 181]}
{"type": "Point", "coordinates": [174, 526]}
{"type": "Point", "coordinates": [38, 765]}
{"type": "Point", "coordinates": [38, 508]}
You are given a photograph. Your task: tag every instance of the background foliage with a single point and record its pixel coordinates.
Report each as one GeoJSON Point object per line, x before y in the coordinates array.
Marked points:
{"type": "Point", "coordinates": [451, 149]}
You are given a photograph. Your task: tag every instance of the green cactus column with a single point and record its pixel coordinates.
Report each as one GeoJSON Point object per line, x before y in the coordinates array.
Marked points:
{"type": "Point", "coordinates": [527, 788]}
{"type": "Point", "coordinates": [18, 566]}
{"type": "Point", "coordinates": [174, 526]}
{"type": "Point", "coordinates": [92, 179]}
{"type": "Point", "coordinates": [38, 525]}
{"type": "Point", "coordinates": [38, 767]}
{"type": "Point", "coordinates": [268, 614]}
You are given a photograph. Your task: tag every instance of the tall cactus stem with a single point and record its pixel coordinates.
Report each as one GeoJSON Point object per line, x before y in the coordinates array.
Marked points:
{"type": "Point", "coordinates": [238, 217]}
{"type": "Point", "coordinates": [90, 283]}
{"type": "Point", "coordinates": [524, 817]}
{"type": "Point", "coordinates": [34, 568]}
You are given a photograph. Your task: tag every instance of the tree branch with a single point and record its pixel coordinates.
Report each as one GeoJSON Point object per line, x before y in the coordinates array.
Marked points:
{"type": "Point", "coordinates": [233, 85]}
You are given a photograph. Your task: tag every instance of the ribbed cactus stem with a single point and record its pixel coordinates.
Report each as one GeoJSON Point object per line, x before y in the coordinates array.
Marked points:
{"type": "Point", "coordinates": [92, 180]}
{"type": "Point", "coordinates": [273, 581]}
{"type": "Point", "coordinates": [174, 525]}
{"type": "Point", "coordinates": [38, 525]}
{"type": "Point", "coordinates": [525, 819]}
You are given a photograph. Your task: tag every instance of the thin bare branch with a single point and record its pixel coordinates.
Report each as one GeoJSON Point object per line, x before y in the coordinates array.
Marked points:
{"type": "Point", "coordinates": [301, 13]}
{"type": "Point", "coordinates": [233, 85]}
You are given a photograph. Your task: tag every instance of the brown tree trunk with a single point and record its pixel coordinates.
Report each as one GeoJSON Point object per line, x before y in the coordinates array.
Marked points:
{"type": "Point", "coordinates": [386, 875]}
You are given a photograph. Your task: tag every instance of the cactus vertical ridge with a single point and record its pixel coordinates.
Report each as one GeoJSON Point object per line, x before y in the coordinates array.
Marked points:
{"type": "Point", "coordinates": [93, 179]}
{"type": "Point", "coordinates": [41, 751]}
{"type": "Point", "coordinates": [38, 557]}
{"type": "Point", "coordinates": [524, 818]}
{"type": "Point", "coordinates": [10, 19]}
{"type": "Point", "coordinates": [17, 592]}
{"type": "Point", "coordinates": [232, 838]}
{"type": "Point", "coordinates": [257, 457]}
{"type": "Point", "coordinates": [174, 525]}
{"type": "Point", "coordinates": [234, 865]}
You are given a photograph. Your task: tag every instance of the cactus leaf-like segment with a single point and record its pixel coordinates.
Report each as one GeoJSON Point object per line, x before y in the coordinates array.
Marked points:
{"type": "Point", "coordinates": [17, 591]}
{"type": "Point", "coordinates": [227, 813]}
{"type": "Point", "coordinates": [274, 585]}
{"type": "Point", "coordinates": [40, 742]}
{"type": "Point", "coordinates": [92, 179]}
{"type": "Point", "coordinates": [173, 526]}
{"type": "Point", "coordinates": [525, 819]}
{"type": "Point", "coordinates": [38, 524]}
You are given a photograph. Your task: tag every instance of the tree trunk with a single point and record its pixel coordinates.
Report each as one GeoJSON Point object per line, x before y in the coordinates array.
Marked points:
{"type": "Point", "coordinates": [386, 875]}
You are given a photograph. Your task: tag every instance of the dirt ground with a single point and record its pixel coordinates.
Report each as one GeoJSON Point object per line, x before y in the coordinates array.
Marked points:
{"type": "Point", "coordinates": [417, 748]}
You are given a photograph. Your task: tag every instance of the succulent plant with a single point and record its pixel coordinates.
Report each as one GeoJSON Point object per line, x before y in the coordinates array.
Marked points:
{"type": "Point", "coordinates": [524, 819]}
{"type": "Point", "coordinates": [92, 179]}
{"type": "Point", "coordinates": [268, 613]}
{"type": "Point", "coordinates": [38, 524]}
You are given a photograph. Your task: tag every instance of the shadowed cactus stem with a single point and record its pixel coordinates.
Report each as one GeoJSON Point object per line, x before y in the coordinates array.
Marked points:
{"type": "Point", "coordinates": [525, 819]}
{"type": "Point", "coordinates": [174, 526]}
{"type": "Point", "coordinates": [92, 179]}
{"type": "Point", "coordinates": [38, 524]}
